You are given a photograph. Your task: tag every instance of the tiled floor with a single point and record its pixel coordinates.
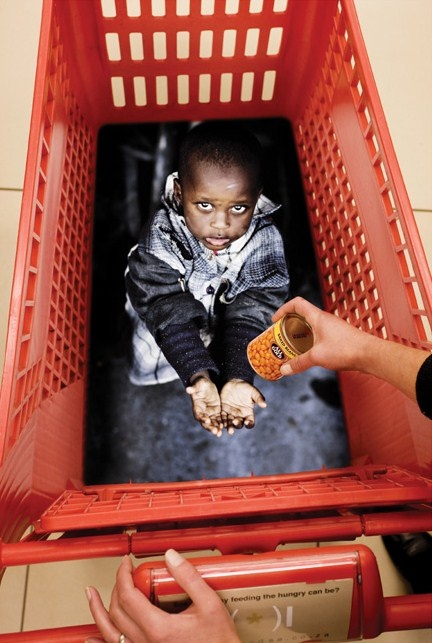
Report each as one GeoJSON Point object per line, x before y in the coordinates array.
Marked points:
{"type": "Point", "coordinates": [398, 39]}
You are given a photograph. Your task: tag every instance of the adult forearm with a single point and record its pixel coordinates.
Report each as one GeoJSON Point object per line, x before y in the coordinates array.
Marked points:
{"type": "Point", "coordinates": [342, 347]}
{"type": "Point", "coordinates": [393, 362]}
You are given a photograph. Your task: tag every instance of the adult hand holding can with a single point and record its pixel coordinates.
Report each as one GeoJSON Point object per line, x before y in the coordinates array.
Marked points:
{"type": "Point", "coordinates": [288, 337]}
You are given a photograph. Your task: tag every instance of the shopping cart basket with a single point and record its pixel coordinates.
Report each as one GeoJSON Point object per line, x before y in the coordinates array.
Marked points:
{"type": "Point", "coordinates": [139, 61]}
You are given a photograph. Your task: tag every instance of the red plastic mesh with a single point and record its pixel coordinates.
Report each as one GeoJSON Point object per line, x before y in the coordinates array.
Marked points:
{"type": "Point", "coordinates": [202, 60]}
{"type": "Point", "coordinates": [204, 500]}
{"type": "Point", "coordinates": [356, 254]}
{"type": "Point", "coordinates": [118, 61]}
{"type": "Point", "coordinates": [51, 339]}
{"type": "Point", "coordinates": [174, 60]}
{"type": "Point", "coordinates": [68, 319]}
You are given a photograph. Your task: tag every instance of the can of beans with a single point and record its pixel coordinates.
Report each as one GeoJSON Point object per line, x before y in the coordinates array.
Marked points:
{"type": "Point", "coordinates": [288, 337]}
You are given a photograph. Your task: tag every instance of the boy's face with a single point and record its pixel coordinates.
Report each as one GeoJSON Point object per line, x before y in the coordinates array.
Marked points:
{"type": "Point", "coordinates": [218, 203]}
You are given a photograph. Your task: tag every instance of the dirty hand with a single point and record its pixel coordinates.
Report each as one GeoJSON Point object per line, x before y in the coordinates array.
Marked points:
{"type": "Point", "coordinates": [238, 399]}
{"type": "Point", "coordinates": [206, 404]}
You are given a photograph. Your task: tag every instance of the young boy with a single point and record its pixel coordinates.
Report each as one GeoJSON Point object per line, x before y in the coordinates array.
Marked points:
{"type": "Point", "coordinates": [206, 277]}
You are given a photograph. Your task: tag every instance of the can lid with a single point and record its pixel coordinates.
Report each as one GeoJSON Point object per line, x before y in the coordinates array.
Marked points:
{"type": "Point", "coordinates": [298, 332]}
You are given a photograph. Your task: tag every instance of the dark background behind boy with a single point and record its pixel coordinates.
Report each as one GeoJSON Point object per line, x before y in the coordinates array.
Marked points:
{"type": "Point", "coordinates": [149, 433]}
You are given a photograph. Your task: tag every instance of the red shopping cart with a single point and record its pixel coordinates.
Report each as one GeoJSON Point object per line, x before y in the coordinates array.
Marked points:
{"type": "Point", "coordinates": [121, 61]}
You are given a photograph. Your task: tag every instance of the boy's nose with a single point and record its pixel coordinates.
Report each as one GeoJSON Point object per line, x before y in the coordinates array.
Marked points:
{"type": "Point", "coordinates": [220, 220]}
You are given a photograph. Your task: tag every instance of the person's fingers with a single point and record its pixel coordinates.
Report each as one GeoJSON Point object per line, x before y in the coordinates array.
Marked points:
{"type": "Point", "coordinates": [299, 306]}
{"type": "Point", "coordinates": [201, 415]}
{"type": "Point", "coordinates": [101, 617]}
{"type": "Point", "coordinates": [208, 425]}
{"type": "Point", "coordinates": [190, 580]}
{"type": "Point", "coordinates": [213, 423]}
{"type": "Point", "coordinates": [258, 398]}
{"type": "Point", "coordinates": [288, 307]}
{"type": "Point", "coordinates": [249, 422]}
{"type": "Point", "coordinates": [215, 430]}
{"type": "Point", "coordinates": [287, 369]}
{"type": "Point", "coordinates": [205, 407]}
{"type": "Point", "coordinates": [204, 420]}
{"type": "Point", "coordinates": [210, 428]}
{"type": "Point", "coordinates": [233, 420]}
{"type": "Point", "coordinates": [297, 364]}
{"type": "Point", "coordinates": [130, 609]}
{"type": "Point", "coordinates": [227, 423]}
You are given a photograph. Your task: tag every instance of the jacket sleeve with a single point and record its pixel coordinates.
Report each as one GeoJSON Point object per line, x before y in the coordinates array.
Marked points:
{"type": "Point", "coordinates": [424, 387]}
{"type": "Point", "coordinates": [157, 292]}
{"type": "Point", "coordinates": [172, 315]}
{"type": "Point", "coordinates": [245, 318]}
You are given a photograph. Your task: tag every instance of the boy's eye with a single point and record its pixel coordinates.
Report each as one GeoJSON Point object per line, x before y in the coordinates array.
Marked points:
{"type": "Point", "coordinates": [239, 209]}
{"type": "Point", "coordinates": [203, 205]}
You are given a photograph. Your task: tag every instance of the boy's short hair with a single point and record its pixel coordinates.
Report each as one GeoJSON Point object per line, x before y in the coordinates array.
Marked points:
{"type": "Point", "coordinates": [221, 144]}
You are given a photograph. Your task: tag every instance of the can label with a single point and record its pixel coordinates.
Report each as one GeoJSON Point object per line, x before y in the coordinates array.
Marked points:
{"type": "Point", "coordinates": [277, 351]}
{"type": "Point", "coordinates": [281, 343]}
{"type": "Point", "coordinates": [277, 345]}
{"type": "Point", "coordinates": [267, 353]}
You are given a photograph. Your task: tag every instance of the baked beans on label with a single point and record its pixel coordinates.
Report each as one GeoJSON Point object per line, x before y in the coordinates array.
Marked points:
{"type": "Point", "coordinates": [288, 337]}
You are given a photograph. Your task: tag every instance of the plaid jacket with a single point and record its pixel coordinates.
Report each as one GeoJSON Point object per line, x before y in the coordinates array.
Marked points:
{"type": "Point", "coordinates": [184, 295]}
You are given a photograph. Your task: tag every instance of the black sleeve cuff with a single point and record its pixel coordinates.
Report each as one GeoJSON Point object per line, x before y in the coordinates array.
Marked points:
{"type": "Point", "coordinates": [236, 364]}
{"type": "Point", "coordinates": [424, 387]}
{"type": "Point", "coordinates": [182, 346]}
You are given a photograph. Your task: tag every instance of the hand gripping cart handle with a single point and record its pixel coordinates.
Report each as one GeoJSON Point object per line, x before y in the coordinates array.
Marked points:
{"type": "Point", "coordinates": [324, 594]}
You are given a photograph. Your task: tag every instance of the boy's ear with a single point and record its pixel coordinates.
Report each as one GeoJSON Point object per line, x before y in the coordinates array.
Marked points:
{"type": "Point", "coordinates": [177, 191]}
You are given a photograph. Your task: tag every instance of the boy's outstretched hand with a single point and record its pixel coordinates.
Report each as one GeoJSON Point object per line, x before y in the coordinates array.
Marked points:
{"type": "Point", "coordinates": [232, 409]}
{"type": "Point", "coordinates": [238, 399]}
{"type": "Point", "coordinates": [206, 403]}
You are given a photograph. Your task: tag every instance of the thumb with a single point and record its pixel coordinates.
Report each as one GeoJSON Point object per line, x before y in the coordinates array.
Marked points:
{"type": "Point", "coordinates": [297, 364]}
{"type": "Point", "coordinates": [188, 577]}
{"type": "Point", "coordinates": [259, 398]}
